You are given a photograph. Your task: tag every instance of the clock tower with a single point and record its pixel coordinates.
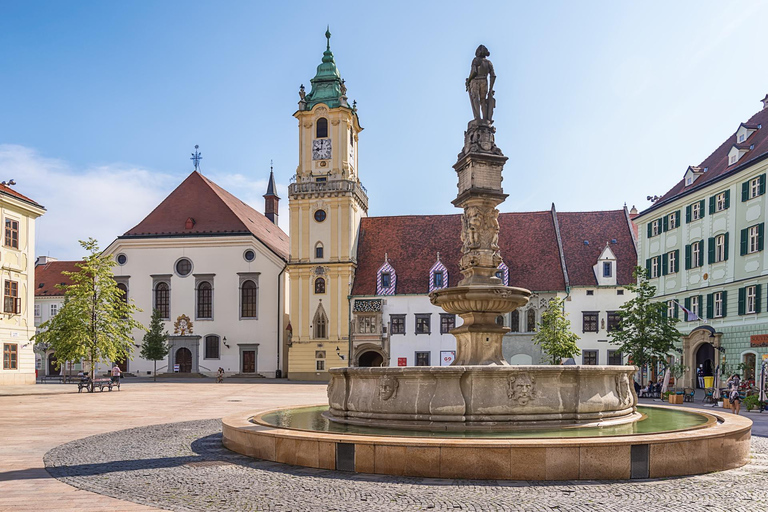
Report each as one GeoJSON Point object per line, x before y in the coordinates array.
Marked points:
{"type": "Point", "coordinates": [326, 202]}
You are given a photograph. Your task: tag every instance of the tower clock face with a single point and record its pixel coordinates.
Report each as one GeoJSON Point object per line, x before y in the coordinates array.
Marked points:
{"type": "Point", "coordinates": [321, 149]}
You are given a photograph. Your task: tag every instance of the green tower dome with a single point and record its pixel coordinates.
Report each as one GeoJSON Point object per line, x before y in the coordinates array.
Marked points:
{"type": "Point", "coordinates": [327, 86]}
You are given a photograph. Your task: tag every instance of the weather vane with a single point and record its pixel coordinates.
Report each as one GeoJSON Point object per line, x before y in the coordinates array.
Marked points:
{"type": "Point", "coordinates": [196, 157]}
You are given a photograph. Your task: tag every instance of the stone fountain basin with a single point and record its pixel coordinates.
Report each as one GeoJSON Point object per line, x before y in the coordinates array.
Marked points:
{"type": "Point", "coordinates": [482, 397]}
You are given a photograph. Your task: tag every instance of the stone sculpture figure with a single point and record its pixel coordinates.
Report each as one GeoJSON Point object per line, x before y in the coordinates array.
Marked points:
{"type": "Point", "coordinates": [480, 85]}
{"type": "Point", "coordinates": [388, 387]}
{"type": "Point", "coordinates": [520, 388]}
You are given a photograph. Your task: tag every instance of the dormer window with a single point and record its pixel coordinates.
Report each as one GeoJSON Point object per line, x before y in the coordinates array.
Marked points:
{"type": "Point", "coordinates": [742, 137]}
{"type": "Point", "coordinates": [386, 279]}
{"type": "Point", "coordinates": [607, 269]}
{"type": "Point", "coordinates": [438, 276]}
{"type": "Point", "coordinates": [733, 159]}
{"type": "Point", "coordinates": [688, 180]}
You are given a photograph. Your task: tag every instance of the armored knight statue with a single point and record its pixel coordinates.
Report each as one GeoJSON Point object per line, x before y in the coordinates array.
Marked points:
{"type": "Point", "coordinates": [480, 85]}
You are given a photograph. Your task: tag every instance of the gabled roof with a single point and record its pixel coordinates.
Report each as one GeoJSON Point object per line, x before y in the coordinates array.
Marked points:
{"type": "Point", "coordinates": [597, 228]}
{"type": "Point", "coordinates": [5, 189]}
{"type": "Point", "coordinates": [528, 244]}
{"type": "Point", "coordinates": [717, 163]}
{"type": "Point", "coordinates": [47, 276]}
{"type": "Point", "coordinates": [214, 212]}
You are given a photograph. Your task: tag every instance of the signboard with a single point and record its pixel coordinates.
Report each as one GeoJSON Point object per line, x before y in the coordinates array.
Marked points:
{"type": "Point", "coordinates": [176, 368]}
{"type": "Point", "coordinates": [759, 340]}
{"type": "Point", "coordinates": [447, 357]}
{"type": "Point", "coordinates": [402, 361]}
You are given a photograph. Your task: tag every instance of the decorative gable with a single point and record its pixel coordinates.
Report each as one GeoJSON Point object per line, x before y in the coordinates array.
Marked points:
{"type": "Point", "coordinates": [386, 279]}
{"type": "Point", "coordinates": [737, 151]}
{"type": "Point", "coordinates": [692, 174]}
{"type": "Point", "coordinates": [605, 268]}
{"type": "Point", "coordinates": [503, 273]}
{"type": "Point", "coordinates": [438, 275]}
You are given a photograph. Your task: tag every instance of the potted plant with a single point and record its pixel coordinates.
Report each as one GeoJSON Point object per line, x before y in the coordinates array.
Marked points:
{"type": "Point", "coordinates": [677, 370]}
{"type": "Point", "coordinates": [751, 402]}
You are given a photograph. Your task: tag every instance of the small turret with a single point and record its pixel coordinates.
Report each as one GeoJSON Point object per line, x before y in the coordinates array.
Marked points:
{"type": "Point", "coordinates": [271, 200]}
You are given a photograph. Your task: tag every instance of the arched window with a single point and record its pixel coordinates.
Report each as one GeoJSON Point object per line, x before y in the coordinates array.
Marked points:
{"type": "Point", "coordinates": [320, 324]}
{"type": "Point", "coordinates": [163, 300]}
{"type": "Point", "coordinates": [514, 324]}
{"type": "Point", "coordinates": [531, 320]}
{"type": "Point", "coordinates": [319, 250]}
{"type": "Point", "coordinates": [204, 300]}
{"type": "Point", "coordinates": [248, 299]}
{"type": "Point", "coordinates": [211, 347]}
{"type": "Point", "coordinates": [319, 285]}
{"type": "Point", "coordinates": [321, 131]}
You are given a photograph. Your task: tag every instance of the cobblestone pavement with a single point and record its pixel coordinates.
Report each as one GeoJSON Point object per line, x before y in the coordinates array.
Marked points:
{"type": "Point", "coordinates": [184, 467]}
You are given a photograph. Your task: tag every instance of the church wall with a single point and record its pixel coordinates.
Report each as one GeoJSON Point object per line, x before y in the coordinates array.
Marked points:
{"type": "Point", "coordinates": [222, 258]}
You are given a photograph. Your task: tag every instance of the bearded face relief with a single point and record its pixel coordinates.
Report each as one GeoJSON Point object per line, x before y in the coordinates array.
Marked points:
{"type": "Point", "coordinates": [388, 387]}
{"type": "Point", "coordinates": [520, 388]}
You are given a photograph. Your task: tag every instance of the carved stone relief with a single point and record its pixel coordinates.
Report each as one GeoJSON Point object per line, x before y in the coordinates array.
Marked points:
{"type": "Point", "coordinates": [388, 385]}
{"type": "Point", "coordinates": [520, 387]}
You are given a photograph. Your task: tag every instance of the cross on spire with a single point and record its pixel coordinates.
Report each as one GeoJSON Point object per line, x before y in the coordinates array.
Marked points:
{"type": "Point", "coordinates": [328, 37]}
{"type": "Point", "coordinates": [196, 157]}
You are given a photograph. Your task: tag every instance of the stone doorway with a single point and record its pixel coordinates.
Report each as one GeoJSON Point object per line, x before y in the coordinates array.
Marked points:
{"type": "Point", "coordinates": [705, 359]}
{"type": "Point", "coordinates": [249, 361]}
{"type": "Point", "coordinates": [52, 370]}
{"type": "Point", "coordinates": [184, 360]}
{"type": "Point", "coordinates": [699, 339]}
{"type": "Point", "coordinates": [370, 359]}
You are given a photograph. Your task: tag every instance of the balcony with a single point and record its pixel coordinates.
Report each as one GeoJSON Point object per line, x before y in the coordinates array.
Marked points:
{"type": "Point", "coordinates": [332, 187]}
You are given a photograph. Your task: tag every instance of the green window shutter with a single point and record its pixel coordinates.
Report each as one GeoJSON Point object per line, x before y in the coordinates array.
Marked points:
{"type": "Point", "coordinates": [744, 191]}
{"type": "Point", "coordinates": [742, 300]}
{"type": "Point", "coordinates": [760, 230]}
{"type": "Point", "coordinates": [650, 233]}
{"type": "Point", "coordinates": [677, 218]}
{"type": "Point", "coordinates": [726, 246]}
{"type": "Point", "coordinates": [677, 260]}
{"type": "Point", "coordinates": [725, 303]}
{"type": "Point", "coordinates": [701, 306]}
{"type": "Point", "coordinates": [744, 241]}
{"type": "Point", "coordinates": [711, 250]}
{"type": "Point", "coordinates": [677, 309]}
{"type": "Point", "coordinates": [664, 313]}
{"type": "Point", "coordinates": [712, 204]}
{"type": "Point", "coordinates": [761, 190]}
{"type": "Point", "coordinates": [687, 257]}
{"type": "Point", "coordinates": [648, 267]}
{"type": "Point", "coordinates": [665, 223]}
{"type": "Point", "coordinates": [688, 214]}
{"type": "Point", "coordinates": [664, 263]}
{"type": "Point", "coordinates": [710, 305]}
{"type": "Point", "coordinates": [687, 306]}
{"type": "Point", "coordinates": [727, 199]}
{"type": "Point", "coordinates": [758, 295]}
{"type": "Point", "coordinates": [701, 207]}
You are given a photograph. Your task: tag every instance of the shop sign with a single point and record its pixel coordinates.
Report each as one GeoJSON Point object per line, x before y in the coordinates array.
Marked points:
{"type": "Point", "coordinates": [759, 340]}
{"type": "Point", "coordinates": [402, 361]}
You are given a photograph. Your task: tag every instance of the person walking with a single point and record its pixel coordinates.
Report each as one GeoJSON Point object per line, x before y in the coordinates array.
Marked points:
{"type": "Point", "coordinates": [733, 393]}
{"type": "Point", "coordinates": [116, 373]}
{"type": "Point", "coordinates": [220, 375]}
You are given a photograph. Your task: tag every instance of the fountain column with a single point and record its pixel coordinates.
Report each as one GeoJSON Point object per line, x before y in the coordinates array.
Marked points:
{"type": "Point", "coordinates": [480, 297]}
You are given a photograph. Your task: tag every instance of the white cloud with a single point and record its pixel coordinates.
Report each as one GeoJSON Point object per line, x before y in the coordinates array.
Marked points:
{"type": "Point", "coordinates": [101, 202]}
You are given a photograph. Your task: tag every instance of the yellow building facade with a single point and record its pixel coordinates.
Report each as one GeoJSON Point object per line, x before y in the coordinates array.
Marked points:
{"type": "Point", "coordinates": [17, 266]}
{"type": "Point", "coordinates": [326, 203]}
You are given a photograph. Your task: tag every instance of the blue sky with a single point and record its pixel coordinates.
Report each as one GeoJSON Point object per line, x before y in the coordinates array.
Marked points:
{"type": "Point", "coordinates": [598, 103]}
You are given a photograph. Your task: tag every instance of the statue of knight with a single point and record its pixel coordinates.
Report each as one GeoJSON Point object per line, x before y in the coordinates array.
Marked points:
{"type": "Point", "coordinates": [480, 85]}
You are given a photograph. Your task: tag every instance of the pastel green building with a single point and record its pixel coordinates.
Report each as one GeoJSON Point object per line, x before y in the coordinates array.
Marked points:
{"type": "Point", "coordinates": [703, 246]}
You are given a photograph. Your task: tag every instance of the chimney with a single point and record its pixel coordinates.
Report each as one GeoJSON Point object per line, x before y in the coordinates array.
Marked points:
{"type": "Point", "coordinates": [270, 198]}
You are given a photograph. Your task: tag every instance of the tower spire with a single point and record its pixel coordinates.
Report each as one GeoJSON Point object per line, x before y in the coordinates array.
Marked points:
{"type": "Point", "coordinates": [271, 200]}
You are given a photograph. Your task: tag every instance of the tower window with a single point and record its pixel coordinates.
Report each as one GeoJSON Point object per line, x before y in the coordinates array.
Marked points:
{"type": "Point", "coordinates": [319, 285]}
{"type": "Point", "coordinates": [319, 251]}
{"type": "Point", "coordinates": [321, 130]}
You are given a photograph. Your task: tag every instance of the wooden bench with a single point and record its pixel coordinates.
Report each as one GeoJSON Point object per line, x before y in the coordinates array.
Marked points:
{"type": "Point", "coordinates": [89, 384]}
{"type": "Point", "coordinates": [51, 378]}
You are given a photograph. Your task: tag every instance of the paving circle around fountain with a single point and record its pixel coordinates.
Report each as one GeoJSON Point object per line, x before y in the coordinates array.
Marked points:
{"type": "Point", "coordinates": [666, 442]}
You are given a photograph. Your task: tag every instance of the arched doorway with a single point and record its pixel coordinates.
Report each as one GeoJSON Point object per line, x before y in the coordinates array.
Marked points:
{"type": "Point", "coordinates": [370, 359]}
{"type": "Point", "coordinates": [705, 360]}
{"type": "Point", "coordinates": [52, 361]}
{"type": "Point", "coordinates": [184, 360]}
{"type": "Point", "coordinates": [750, 360]}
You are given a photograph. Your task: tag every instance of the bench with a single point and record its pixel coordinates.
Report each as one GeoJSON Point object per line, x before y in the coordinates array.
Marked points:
{"type": "Point", "coordinates": [89, 384]}
{"type": "Point", "coordinates": [51, 378]}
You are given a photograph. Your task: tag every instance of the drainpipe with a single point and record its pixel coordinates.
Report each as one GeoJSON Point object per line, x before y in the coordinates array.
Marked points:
{"type": "Point", "coordinates": [280, 313]}
{"type": "Point", "coordinates": [349, 329]}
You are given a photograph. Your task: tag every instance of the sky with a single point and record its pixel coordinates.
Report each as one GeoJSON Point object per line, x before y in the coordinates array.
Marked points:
{"type": "Point", "coordinates": [599, 103]}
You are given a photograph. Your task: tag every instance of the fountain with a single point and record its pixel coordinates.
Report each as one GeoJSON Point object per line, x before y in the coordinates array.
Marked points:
{"type": "Point", "coordinates": [481, 417]}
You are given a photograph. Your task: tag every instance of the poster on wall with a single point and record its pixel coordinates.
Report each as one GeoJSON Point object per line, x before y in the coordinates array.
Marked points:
{"type": "Point", "coordinates": [447, 357]}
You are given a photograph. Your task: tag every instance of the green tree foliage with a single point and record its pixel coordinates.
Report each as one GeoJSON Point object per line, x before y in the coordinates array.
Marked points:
{"type": "Point", "coordinates": [95, 322]}
{"type": "Point", "coordinates": [155, 344]}
{"type": "Point", "coordinates": [646, 331]}
{"type": "Point", "coordinates": [554, 335]}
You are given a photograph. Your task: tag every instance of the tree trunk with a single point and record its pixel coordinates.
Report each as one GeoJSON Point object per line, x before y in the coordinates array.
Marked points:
{"type": "Point", "coordinates": [155, 372]}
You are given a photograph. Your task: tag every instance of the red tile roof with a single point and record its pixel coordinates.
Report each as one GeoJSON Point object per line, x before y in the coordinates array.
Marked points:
{"type": "Point", "coordinates": [5, 189]}
{"type": "Point", "coordinates": [717, 163]}
{"type": "Point", "coordinates": [49, 275]}
{"type": "Point", "coordinates": [597, 228]}
{"type": "Point", "coordinates": [214, 212]}
{"type": "Point", "coordinates": [527, 240]}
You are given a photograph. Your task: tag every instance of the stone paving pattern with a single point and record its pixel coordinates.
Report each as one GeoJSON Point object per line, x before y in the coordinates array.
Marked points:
{"type": "Point", "coordinates": [182, 466]}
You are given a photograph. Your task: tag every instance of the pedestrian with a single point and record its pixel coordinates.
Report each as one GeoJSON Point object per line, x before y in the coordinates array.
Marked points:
{"type": "Point", "coordinates": [220, 375]}
{"type": "Point", "coordinates": [733, 393]}
{"type": "Point", "coordinates": [116, 374]}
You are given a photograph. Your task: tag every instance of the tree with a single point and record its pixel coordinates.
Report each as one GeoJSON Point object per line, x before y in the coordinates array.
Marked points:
{"type": "Point", "coordinates": [95, 322]}
{"type": "Point", "coordinates": [154, 346]}
{"type": "Point", "coordinates": [646, 332]}
{"type": "Point", "coordinates": [554, 335]}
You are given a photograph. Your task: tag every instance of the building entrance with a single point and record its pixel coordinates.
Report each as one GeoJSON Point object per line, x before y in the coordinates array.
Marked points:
{"type": "Point", "coordinates": [52, 370]}
{"type": "Point", "coordinates": [705, 360]}
{"type": "Point", "coordinates": [370, 359]}
{"type": "Point", "coordinates": [249, 361]}
{"type": "Point", "coordinates": [184, 360]}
